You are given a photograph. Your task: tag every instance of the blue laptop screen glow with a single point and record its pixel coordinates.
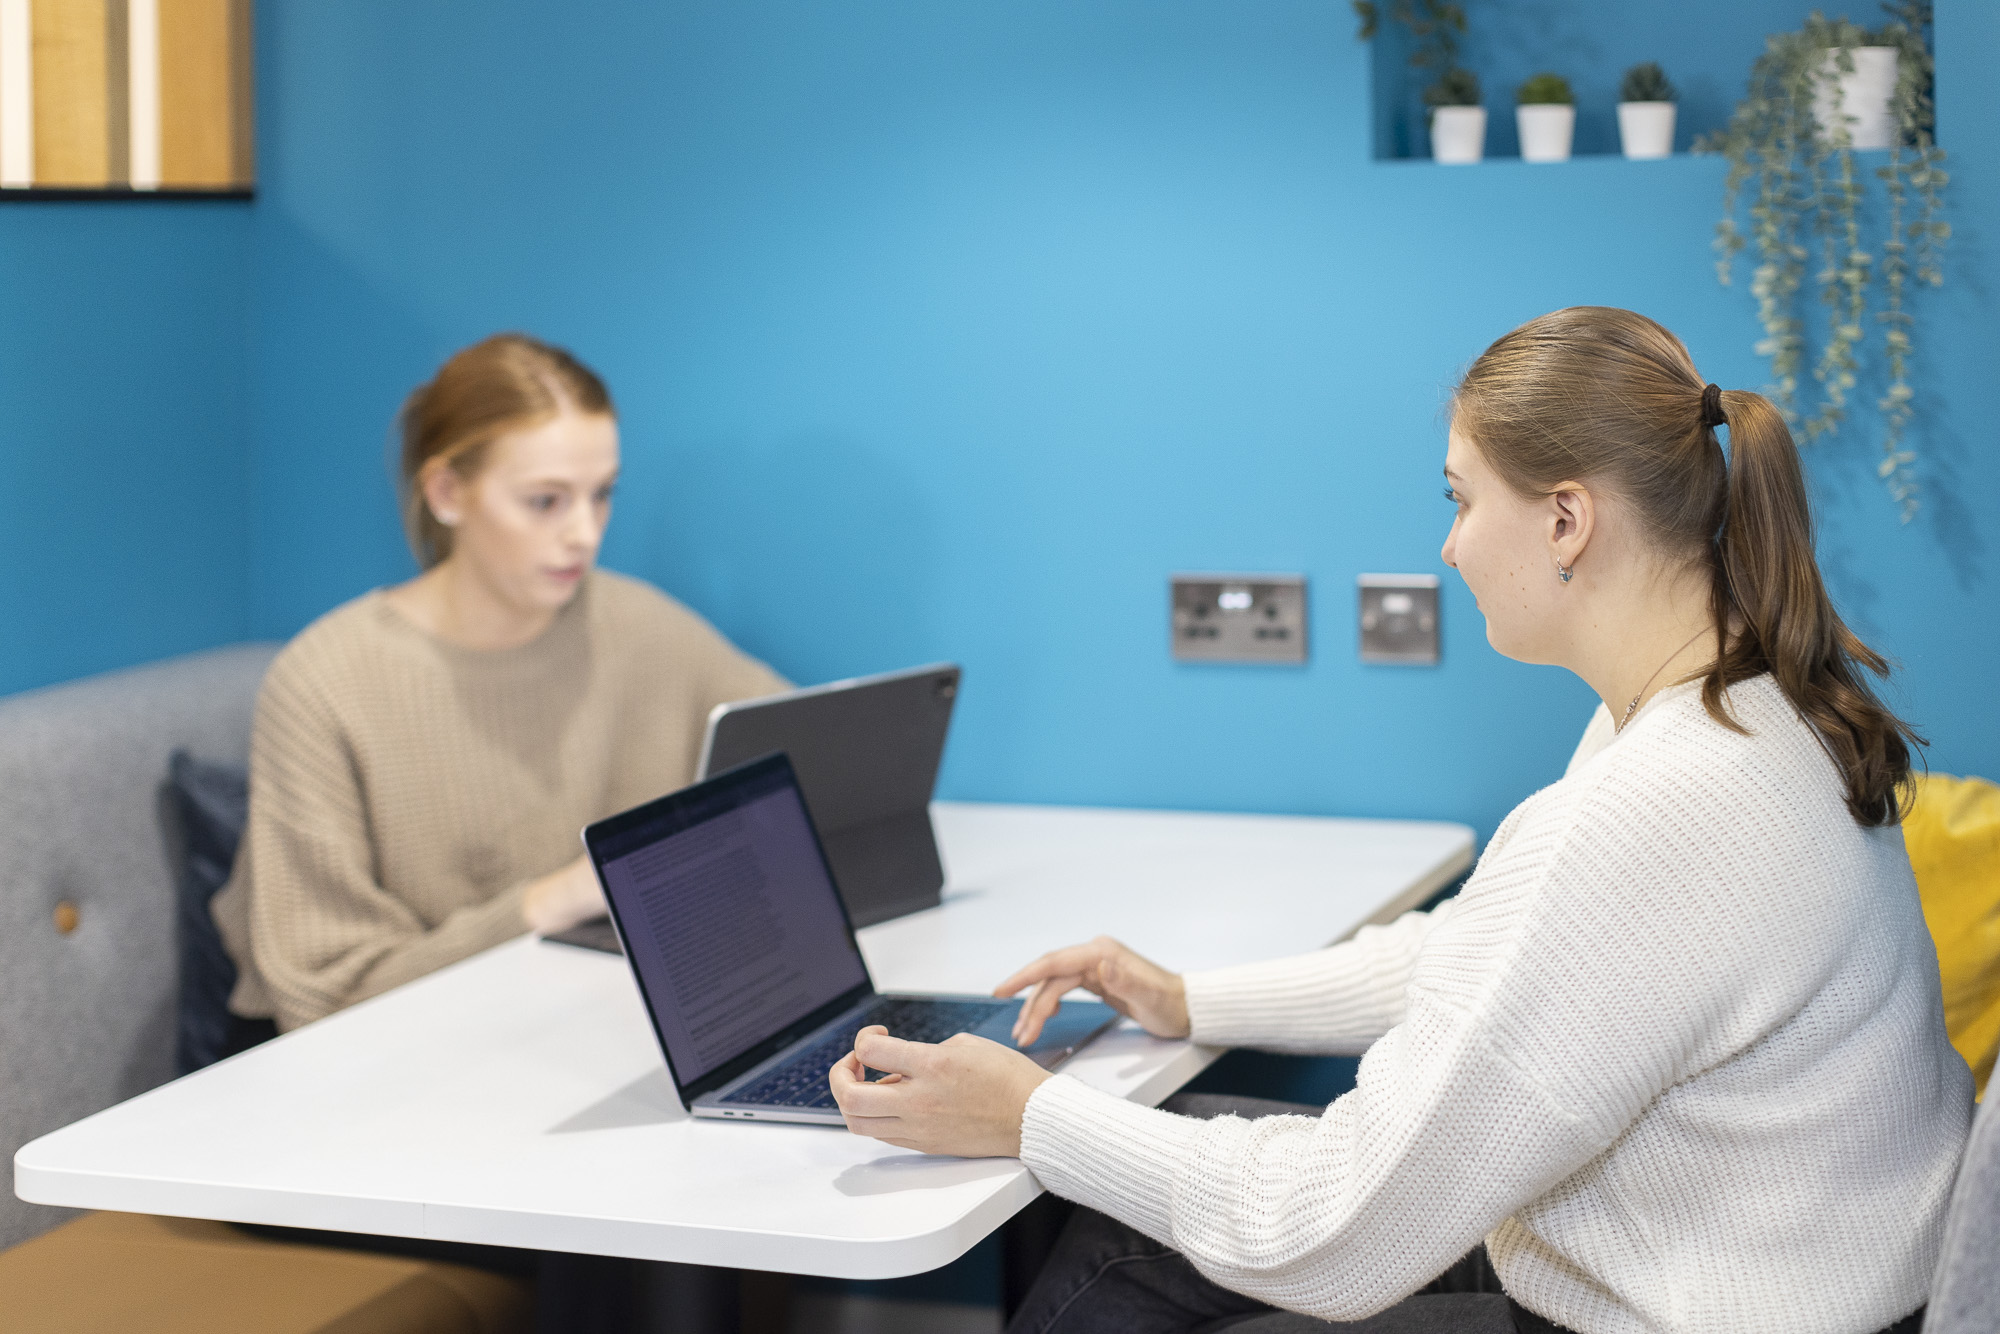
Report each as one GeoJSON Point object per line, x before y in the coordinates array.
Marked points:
{"type": "Point", "coordinates": [733, 922]}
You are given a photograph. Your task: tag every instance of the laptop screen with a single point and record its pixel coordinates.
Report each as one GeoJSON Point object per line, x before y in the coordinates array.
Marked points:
{"type": "Point", "coordinates": [728, 913]}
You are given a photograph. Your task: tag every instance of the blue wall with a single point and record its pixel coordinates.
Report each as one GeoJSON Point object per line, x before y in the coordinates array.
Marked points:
{"type": "Point", "coordinates": [950, 331]}
{"type": "Point", "coordinates": [123, 445]}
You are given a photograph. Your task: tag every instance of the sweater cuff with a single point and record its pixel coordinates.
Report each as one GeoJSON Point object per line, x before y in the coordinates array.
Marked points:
{"type": "Point", "coordinates": [1106, 1153]}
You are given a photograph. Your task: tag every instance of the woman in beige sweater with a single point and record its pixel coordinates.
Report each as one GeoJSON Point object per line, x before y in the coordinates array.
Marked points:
{"type": "Point", "coordinates": [424, 756]}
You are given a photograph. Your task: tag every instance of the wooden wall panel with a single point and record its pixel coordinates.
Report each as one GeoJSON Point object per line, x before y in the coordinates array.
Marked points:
{"type": "Point", "coordinates": [117, 92]}
{"type": "Point", "coordinates": [205, 99]}
{"type": "Point", "coordinates": [72, 94]}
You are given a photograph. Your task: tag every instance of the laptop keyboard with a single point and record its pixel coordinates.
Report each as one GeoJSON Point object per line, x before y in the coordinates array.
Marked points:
{"type": "Point", "coordinates": [801, 1081]}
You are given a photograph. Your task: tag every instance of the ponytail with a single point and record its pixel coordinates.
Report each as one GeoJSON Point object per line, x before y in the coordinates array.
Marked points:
{"type": "Point", "coordinates": [1778, 619]}
{"type": "Point", "coordinates": [1597, 393]}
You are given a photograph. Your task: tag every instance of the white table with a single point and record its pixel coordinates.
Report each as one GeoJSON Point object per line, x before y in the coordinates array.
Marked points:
{"type": "Point", "coordinates": [519, 1098]}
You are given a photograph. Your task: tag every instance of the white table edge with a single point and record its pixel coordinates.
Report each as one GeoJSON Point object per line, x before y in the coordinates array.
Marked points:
{"type": "Point", "coordinates": [872, 1258]}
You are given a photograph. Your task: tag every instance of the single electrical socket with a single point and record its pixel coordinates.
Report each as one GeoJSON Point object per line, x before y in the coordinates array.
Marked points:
{"type": "Point", "coordinates": [1238, 617]}
{"type": "Point", "coordinates": [1399, 618]}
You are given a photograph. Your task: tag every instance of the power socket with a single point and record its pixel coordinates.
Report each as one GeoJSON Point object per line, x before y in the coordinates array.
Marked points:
{"type": "Point", "coordinates": [1399, 618]}
{"type": "Point", "coordinates": [1238, 617]}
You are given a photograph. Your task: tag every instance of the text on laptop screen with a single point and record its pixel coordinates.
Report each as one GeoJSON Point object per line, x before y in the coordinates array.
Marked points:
{"type": "Point", "coordinates": [733, 923]}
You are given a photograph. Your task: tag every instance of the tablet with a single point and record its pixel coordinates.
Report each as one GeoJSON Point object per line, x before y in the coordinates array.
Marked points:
{"type": "Point", "coordinates": [866, 752]}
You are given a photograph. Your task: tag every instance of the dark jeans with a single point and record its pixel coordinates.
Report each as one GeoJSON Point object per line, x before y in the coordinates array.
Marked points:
{"type": "Point", "coordinates": [1105, 1278]}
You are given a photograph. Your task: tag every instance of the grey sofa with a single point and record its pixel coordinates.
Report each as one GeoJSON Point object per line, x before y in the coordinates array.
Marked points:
{"type": "Point", "coordinates": [1966, 1297]}
{"type": "Point", "coordinates": [87, 1014]}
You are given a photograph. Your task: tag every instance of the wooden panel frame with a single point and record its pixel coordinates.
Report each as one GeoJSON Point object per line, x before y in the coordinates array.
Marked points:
{"type": "Point", "coordinates": [103, 108]}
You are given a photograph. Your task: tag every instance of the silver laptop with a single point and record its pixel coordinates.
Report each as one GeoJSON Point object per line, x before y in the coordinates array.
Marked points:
{"type": "Point", "coordinates": [744, 955]}
{"type": "Point", "coordinates": [866, 752]}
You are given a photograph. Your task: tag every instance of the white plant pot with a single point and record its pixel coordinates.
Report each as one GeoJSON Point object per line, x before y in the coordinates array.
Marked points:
{"type": "Point", "coordinates": [1546, 131]}
{"type": "Point", "coordinates": [1646, 129]}
{"type": "Point", "coordinates": [1458, 134]}
{"type": "Point", "coordinates": [1862, 95]}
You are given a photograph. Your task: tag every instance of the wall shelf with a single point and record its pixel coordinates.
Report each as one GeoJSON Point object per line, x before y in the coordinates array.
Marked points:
{"type": "Point", "coordinates": [42, 194]}
{"type": "Point", "coordinates": [1591, 45]}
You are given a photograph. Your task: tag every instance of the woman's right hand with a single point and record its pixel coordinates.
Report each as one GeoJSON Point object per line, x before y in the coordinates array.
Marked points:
{"type": "Point", "coordinates": [561, 899]}
{"type": "Point", "coordinates": [1129, 983]}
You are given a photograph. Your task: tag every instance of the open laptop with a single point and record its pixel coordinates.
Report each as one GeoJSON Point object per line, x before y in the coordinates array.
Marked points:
{"type": "Point", "coordinates": [866, 752]}
{"type": "Point", "coordinates": [745, 957]}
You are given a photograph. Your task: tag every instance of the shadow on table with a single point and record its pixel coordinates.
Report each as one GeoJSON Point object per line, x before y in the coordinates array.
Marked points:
{"type": "Point", "coordinates": [918, 1171]}
{"type": "Point", "coordinates": [649, 1100]}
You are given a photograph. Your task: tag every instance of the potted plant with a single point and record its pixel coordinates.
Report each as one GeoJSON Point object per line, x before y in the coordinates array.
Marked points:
{"type": "Point", "coordinates": [1805, 194]}
{"type": "Point", "coordinates": [1458, 121]}
{"type": "Point", "coordinates": [1546, 118]}
{"type": "Point", "coordinates": [1853, 93]}
{"type": "Point", "coordinates": [1646, 112]}
{"type": "Point", "coordinates": [1454, 115]}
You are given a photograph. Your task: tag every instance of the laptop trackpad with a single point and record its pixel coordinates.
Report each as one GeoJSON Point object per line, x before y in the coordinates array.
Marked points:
{"type": "Point", "coordinates": [1076, 1023]}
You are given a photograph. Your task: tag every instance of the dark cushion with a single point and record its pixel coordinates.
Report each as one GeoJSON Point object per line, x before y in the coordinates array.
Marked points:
{"type": "Point", "coordinates": [208, 803]}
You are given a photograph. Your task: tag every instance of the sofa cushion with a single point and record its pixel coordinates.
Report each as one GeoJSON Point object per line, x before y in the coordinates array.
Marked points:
{"type": "Point", "coordinates": [1953, 836]}
{"type": "Point", "coordinates": [1966, 1297]}
{"type": "Point", "coordinates": [89, 977]}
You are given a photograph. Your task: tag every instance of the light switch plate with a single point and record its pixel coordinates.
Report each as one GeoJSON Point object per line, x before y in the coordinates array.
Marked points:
{"type": "Point", "coordinates": [1238, 617]}
{"type": "Point", "coordinates": [1399, 618]}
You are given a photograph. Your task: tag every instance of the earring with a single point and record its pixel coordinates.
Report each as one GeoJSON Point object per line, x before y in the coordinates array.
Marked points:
{"type": "Point", "coordinates": [1563, 574]}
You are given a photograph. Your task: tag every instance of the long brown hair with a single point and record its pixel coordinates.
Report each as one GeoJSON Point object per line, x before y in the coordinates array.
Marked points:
{"type": "Point", "coordinates": [1604, 396]}
{"type": "Point", "coordinates": [504, 383]}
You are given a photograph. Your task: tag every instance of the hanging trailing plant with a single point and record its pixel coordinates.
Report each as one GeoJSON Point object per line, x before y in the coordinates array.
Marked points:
{"type": "Point", "coordinates": [1436, 25]}
{"type": "Point", "coordinates": [1805, 194]}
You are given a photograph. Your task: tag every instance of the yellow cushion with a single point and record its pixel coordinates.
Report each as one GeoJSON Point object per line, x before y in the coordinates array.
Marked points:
{"type": "Point", "coordinates": [1953, 834]}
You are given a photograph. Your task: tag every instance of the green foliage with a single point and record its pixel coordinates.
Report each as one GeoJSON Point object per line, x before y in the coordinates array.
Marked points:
{"type": "Point", "coordinates": [1436, 24]}
{"type": "Point", "coordinates": [1646, 83]}
{"type": "Point", "coordinates": [1805, 192]}
{"type": "Point", "coordinates": [1454, 88]}
{"type": "Point", "coordinates": [1546, 90]}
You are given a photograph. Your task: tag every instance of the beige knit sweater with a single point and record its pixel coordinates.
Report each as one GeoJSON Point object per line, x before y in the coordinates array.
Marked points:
{"type": "Point", "coordinates": [404, 791]}
{"type": "Point", "coordinates": [1676, 1052]}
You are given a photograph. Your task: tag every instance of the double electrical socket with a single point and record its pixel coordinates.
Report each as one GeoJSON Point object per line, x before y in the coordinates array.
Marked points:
{"type": "Point", "coordinates": [1239, 617]}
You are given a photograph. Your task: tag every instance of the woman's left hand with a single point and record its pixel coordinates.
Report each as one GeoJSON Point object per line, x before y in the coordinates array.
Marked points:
{"type": "Point", "coordinates": [964, 1096]}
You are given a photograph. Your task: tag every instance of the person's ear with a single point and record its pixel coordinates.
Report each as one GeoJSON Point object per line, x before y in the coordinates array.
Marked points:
{"type": "Point", "coordinates": [1572, 520]}
{"type": "Point", "coordinates": [444, 492]}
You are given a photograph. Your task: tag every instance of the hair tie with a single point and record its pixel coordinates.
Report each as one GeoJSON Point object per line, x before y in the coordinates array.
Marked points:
{"type": "Point", "coordinates": [1711, 408]}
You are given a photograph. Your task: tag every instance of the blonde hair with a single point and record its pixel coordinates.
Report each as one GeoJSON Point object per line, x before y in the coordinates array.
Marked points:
{"type": "Point", "coordinates": [1605, 396]}
{"type": "Point", "coordinates": [499, 384]}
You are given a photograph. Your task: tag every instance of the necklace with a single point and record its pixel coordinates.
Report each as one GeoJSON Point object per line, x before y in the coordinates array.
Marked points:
{"type": "Point", "coordinates": [1649, 681]}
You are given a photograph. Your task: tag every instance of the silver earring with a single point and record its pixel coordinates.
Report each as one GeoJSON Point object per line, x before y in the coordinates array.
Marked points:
{"type": "Point", "coordinates": [1563, 574]}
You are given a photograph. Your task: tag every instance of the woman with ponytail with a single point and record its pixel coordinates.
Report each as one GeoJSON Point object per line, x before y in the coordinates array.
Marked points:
{"type": "Point", "coordinates": [1673, 1060]}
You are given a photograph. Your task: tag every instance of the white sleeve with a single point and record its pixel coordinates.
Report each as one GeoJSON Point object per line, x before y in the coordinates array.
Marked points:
{"type": "Point", "coordinates": [1447, 1132]}
{"type": "Point", "coordinates": [1339, 1216]}
{"type": "Point", "coordinates": [1332, 1002]}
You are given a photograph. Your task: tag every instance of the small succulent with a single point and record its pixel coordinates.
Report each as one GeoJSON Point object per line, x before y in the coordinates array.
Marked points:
{"type": "Point", "coordinates": [1546, 90]}
{"type": "Point", "coordinates": [1456, 87]}
{"type": "Point", "coordinates": [1646, 83]}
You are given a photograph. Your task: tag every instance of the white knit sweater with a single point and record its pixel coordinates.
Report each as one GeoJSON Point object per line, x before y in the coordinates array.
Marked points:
{"type": "Point", "coordinates": [1676, 1052]}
